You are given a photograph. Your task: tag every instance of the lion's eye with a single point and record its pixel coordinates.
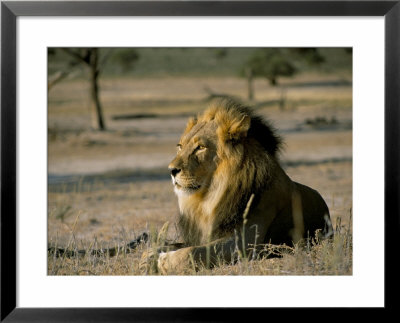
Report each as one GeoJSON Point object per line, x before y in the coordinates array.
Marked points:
{"type": "Point", "coordinates": [179, 147]}
{"type": "Point", "coordinates": [200, 148]}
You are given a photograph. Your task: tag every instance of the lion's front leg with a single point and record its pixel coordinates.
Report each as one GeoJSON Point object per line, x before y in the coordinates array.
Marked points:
{"type": "Point", "coordinates": [224, 250]}
{"type": "Point", "coordinates": [190, 259]}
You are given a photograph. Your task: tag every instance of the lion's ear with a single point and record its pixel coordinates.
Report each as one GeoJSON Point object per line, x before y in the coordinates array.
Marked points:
{"type": "Point", "coordinates": [239, 128]}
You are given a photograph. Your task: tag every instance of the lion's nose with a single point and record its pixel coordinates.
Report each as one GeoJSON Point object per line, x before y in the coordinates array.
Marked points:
{"type": "Point", "coordinates": [174, 171]}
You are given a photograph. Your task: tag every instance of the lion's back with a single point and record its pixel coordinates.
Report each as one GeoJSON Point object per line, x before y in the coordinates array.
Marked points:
{"type": "Point", "coordinates": [314, 216]}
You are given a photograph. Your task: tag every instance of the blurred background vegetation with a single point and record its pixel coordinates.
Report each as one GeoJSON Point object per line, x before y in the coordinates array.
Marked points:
{"type": "Point", "coordinates": [270, 64]}
{"type": "Point", "coordinates": [139, 62]}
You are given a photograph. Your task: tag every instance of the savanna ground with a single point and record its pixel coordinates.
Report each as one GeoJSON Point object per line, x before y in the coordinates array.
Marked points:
{"type": "Point", "coordinates": [106, 188]}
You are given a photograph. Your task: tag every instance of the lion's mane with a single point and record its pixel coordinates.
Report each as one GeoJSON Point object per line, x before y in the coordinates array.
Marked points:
{"type": "Point", "coordinates": [247, 153]}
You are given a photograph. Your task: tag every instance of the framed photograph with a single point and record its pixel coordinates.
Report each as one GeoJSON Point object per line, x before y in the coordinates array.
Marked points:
{"type": "Point", "coordinates": [277, 123]}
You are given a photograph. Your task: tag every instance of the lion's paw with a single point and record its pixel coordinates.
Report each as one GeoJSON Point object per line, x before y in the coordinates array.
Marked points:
{"type": "Point", "coordinates": [148, 262]}
{"type": "Point", "coordinates": [175, 262]}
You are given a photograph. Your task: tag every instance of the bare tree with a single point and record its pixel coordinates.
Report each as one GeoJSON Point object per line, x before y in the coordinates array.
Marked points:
{"type": "Point", "coordinates": [273, 63]}
{"type": "Point", "coordinates": [90, 58]}
{"type": "Point", "coordinates": [94, 62]}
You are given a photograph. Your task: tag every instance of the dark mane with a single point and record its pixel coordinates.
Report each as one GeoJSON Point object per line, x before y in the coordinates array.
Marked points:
{"type": "Point", "coordinates": [261, 129]}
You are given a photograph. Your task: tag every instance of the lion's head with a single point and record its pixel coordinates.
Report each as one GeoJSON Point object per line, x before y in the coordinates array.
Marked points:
{"type": "Point", "coordinates": [196, 161]}
{"type": "Point", "coordinates": [224, 155]}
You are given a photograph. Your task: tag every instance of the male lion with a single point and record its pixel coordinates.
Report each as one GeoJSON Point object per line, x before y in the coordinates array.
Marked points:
{"type": "Point", "coordinates": [233, 195]}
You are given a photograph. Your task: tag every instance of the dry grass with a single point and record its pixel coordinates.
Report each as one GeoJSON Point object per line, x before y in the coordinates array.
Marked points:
{"type": "Point", "coordinates": [326, 257]}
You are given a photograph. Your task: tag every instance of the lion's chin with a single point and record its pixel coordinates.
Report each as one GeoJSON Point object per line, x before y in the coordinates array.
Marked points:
{"type": "Point", "coordinates": [185, 191]}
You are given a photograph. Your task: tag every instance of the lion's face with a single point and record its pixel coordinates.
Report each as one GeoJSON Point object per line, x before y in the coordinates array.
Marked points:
{"type": "Point", "coordinates": [196, 161]}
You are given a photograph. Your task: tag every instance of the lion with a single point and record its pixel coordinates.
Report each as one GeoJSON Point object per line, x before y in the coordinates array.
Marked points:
{"type": "Point", "coordinates": [233, 195]}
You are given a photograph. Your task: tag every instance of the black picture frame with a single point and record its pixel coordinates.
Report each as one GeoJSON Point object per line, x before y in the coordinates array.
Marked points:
{"type": "Point", "coordinates": [10, 10]}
